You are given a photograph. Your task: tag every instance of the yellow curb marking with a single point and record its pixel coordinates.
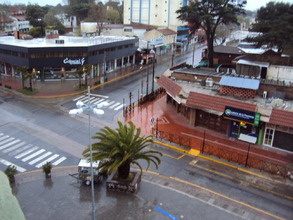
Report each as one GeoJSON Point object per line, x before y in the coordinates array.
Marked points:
{"type": "Point", "coordinates": [235, 167]}
{"type": "Point", "coordinates": [239, 180]}
{"type": "Point", "coordinates": [226, 197]}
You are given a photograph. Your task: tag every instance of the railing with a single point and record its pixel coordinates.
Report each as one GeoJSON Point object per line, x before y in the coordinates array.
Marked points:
{"type": "Point", "coordinates": [242, 155]}
{"type": "Point", "coordinates": [150, 97]}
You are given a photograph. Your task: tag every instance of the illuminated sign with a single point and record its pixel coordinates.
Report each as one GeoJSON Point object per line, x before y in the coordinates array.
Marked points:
{"type": "Point", "coordinates": [74, 61]}
{"type": "Point", "coordinates": [242, 115]}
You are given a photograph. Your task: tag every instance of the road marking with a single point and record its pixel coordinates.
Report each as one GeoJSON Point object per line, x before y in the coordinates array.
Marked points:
{"type": "Point", "coordinates": [40, 158]}
{"type": "Point", "coordinates": [47, 160]}
{"type": "Point", "coordinates": [78, 98]}
{"type": "Point", "coordinates": [165, 213]}
{"type": "Point", "coordinates": [26, 152]}
{"type": "Point", "coordinates": [20, 150]}
{"type": "Point", "coordinates": [33, 155]}
{"type": "Point", "coordinates": [7, 163]}
{"type": "Point", "coordinates": [107, 103]}
{"type": "Point", "coordinates": [7, 140]}
{"type": "Point", "coordinates": [14, 147]}
{"type": "Point", "coordinates": [97, 95]}
{"type": "Point", "coordinates": [120, 106]}
{"type": "Point", "coordinates": [59, 161]}
{"type": "Point", "coordinates": [111, 107]}
{"type": "Point", "coordinates": [99, 101]}
{"type": "Point", "coordinates": [9, 144]}
{"type": "Point", "coordinates": [4, 137]}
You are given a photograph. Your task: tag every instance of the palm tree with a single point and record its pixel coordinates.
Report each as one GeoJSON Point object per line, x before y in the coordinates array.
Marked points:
{"type": "Point", "coordinates": [119, 148]}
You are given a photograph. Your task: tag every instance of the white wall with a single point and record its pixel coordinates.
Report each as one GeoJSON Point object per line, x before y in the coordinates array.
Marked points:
{"type": "Point", "coordinates": [280, 73]}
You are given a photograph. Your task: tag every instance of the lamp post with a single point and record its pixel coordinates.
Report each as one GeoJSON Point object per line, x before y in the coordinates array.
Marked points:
{"type": "Point", "coordinates": [154, 59]}
{"type": "Point", "coordinates": [147, 63]}
{"type": "Point", "coordinates": [81, 107]}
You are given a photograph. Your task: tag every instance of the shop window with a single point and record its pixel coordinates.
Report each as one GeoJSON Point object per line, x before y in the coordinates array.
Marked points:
{"type": "Point", "coordinates": [269, 136]}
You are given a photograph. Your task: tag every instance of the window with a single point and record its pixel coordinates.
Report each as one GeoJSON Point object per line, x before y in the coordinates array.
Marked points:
{"type": "Point", "coordinates": [269, 136]}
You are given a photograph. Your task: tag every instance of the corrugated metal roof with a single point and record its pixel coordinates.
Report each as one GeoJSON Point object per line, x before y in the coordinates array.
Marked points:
{"type": "Point", "coordinates": [239, 82]}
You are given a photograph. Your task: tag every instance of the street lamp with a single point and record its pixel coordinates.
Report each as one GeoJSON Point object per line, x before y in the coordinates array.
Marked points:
{"type": "Point", "coordinates": [89, 107]}
{"type": "Point", "coordinates": [154, 58]}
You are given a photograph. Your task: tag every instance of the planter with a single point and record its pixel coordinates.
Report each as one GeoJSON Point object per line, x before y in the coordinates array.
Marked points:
{"type": "Point", "coordinates": [131, 186]}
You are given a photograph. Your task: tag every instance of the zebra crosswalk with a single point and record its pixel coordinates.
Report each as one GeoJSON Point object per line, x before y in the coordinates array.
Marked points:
{"type": "Point", "coordinates": [98, 99]}
{"type": "Point", "coordinates": [26, 153]}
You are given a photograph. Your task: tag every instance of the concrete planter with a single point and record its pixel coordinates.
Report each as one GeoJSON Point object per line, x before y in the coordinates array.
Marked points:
{"type": "Point", "coordinates": [115, 184]}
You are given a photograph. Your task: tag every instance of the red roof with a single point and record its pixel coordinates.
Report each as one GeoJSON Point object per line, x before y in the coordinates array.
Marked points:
{"type": "Point", "coordinates": [282, 117]}
{"type": "Point", "coordinates": [216, 103]}
{"type": "Point", "coordinates": [171, 87]}
{"type": "Point", "coordinates": [167, 31]}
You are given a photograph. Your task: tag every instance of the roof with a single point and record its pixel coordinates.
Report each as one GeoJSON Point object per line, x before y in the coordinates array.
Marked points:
{"type": "Point", "coordinates": [216, 103]}
{"type": "Point", "coordinates": [228, 50]}
{"type": "Point", "coordinates": [142, 26]}
{"type": "Point", "coordinates": [68, 41]}
{"type": "Point", "coordinates": [167, 31]}
{"type": "Point", "coordinates": [282, 117]}
{"type": "Point", "coordinates": [171, 87]}
{"type": "Point", "coordinates": [253, 63]}
{"type": "Point", "coordinates": [239, 82]}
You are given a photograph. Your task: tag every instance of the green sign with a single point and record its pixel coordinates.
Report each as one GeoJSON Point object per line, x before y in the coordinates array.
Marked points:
{"type": "Point", "coordinates": [256, 119]}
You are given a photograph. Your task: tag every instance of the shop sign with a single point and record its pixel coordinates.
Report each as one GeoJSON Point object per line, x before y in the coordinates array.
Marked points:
{"type": "Point", "coordinates": [74, 61]}
{"type": "Point", "coordinates": [242, 115]}
{"type": "Point", "coordinates": [157, 41]}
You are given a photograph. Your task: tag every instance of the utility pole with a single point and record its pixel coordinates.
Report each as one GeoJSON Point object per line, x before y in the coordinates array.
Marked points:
{"type": "Point", "coordinates": [153, 78]}
{"type": "Point", "coordinates": [147, 79]}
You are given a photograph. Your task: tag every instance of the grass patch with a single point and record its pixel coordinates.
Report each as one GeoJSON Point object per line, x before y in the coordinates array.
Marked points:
{"type": "Point", "coordinates": [26, 92]}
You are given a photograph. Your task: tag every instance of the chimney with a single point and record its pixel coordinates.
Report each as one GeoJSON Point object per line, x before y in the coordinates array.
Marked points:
{"type": "Point", "coordinates": [16, 34]}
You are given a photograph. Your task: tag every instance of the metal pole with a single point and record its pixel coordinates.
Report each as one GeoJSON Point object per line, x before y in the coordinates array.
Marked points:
{"type": "Point", "coordinates": [173, 55]}
{"type": "Point", "coordinates": [91, 159]}
{"type": "Point", "coordinates": [104, 69]}
{"type": "Point", "coordinates": [247, 155]}
{"type": "Point", "coordinates": [147, 79]}
{"type": "Point", "coordinates": [153, 79]}
{"type": "Point", "coordinates": [193, 56]}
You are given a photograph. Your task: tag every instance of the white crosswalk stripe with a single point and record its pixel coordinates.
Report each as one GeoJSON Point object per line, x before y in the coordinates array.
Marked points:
{"type": "Point", "coordinates": [9, 144]}
{"type": "Point", "coordinates": [59, 161]}
{"type": "Point", "coordinates": [119, 107]}
{"type": "Point", "coordinates": [14, 147]}
{"type": "Point", "coordinates": [27, 153]}
{"type": "Point", "coordinates": [40, 158]}
{"type": "Point", "coordinates": [6, 140]}
{"type": "Point", "coordinates": [47, 160]}
{"type": "Point", "coordinates": [7, 163]}
{"type": "Point", "coordinates": [103, 99]}
{"type": "Point", "coordinates": [21, 149]}
{"type": "Point", "coordinates": [33, 155]}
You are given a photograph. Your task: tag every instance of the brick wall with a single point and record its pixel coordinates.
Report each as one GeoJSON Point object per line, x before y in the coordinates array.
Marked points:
{"type": "Point", "coordinates": [239, 92]}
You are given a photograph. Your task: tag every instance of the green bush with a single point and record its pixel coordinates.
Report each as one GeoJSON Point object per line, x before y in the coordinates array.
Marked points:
{"type": "Point", "coordinates": [8, 86]}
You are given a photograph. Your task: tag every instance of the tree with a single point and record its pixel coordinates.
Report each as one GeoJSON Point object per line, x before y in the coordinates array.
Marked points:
{"type": "Point", "coordinates": [275, 22]}
{"type": "Point", "coordinates": [35, 15]}
{"type": "Point", "coordinates": [78, 8]}
{"type": "Point", "coordinates": [209, 14]}
{"type": "Point", "coordinates": [23, 71]}
{"type": "Point", "coordinates": [119, 148]}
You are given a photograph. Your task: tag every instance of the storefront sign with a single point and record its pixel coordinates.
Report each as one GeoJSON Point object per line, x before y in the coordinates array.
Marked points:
{"type": "Point", "coordinates": [242, 115]}
{"type": "Point", "coordinates": [157, 41]}
{"type": "Point", "coordinates": [74, 61]}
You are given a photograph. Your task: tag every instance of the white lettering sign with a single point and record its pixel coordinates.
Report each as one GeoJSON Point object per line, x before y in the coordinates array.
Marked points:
{"type": "Point", "coordinates": [74, 62]}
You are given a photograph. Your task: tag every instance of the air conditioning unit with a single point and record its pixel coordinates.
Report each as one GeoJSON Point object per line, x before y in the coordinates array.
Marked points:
{"type": "Point", "coordinates": [209, 82]}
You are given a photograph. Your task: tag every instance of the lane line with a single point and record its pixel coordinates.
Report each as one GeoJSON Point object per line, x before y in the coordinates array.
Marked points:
{"type": "Point", "coordinates": [7, 163]}
{"type": "Point", "coordinates": [4, 137]}
{"type": "Point", "coordinates": [102, 96]}
{"type": "Point", "coordinates": [76, 99]}
{"type": "Point", "coordinates": [165, 213]}
{"type": "Point", "coordinates": [7, 140]}
{"type": "Point", "coordinates": [99, 101]}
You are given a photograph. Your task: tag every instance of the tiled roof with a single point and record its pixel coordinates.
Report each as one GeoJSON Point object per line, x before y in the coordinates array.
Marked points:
{"type": "Point", "coordinates": [216, 103]}
{"type": "Point", "coordinates": [171, 87]}
{"type": "Point", "coordinates": [167, 31]}
{"type": "Point", "coordinates": [282, 117]}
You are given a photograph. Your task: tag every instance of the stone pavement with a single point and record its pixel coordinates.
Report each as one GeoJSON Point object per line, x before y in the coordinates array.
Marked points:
{"type": "Point", "coordinates": [159, 197]}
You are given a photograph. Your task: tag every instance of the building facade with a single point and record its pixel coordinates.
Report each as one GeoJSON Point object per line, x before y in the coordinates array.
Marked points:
{"type": "Point", "coordinates": [51, 59]}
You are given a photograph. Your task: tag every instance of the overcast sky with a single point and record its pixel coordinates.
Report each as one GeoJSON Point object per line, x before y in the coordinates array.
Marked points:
{"type": "Point", "coordinates": [251, 4]}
